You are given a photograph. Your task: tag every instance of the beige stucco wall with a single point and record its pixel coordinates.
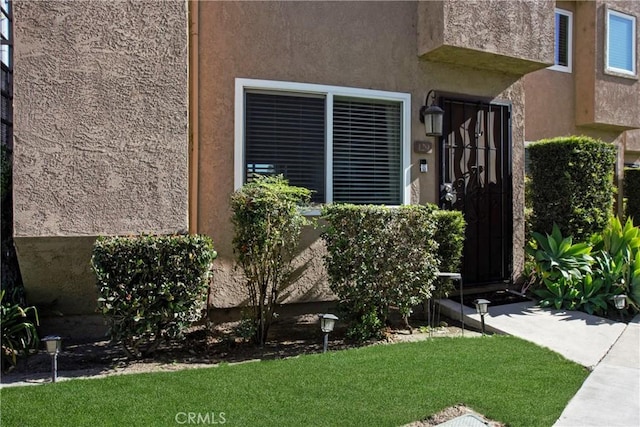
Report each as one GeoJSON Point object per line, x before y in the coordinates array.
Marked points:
{"type": "Point", "coordinates": [355, 44]}
{"type": "Point", "coordinates": [101, 133]}
{"type": "Point", "coordinates": [603, 100]}
{"type": "Point", "coordinates": [632, 146]}
{"type": "Point", "coordinates": [505, 36]}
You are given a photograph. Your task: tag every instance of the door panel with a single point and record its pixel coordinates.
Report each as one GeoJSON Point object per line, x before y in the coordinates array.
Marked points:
{"type": "Point", "coordinates": [475, 178]}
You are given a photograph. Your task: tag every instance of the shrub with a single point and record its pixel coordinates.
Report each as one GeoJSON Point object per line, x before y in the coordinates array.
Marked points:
{"type": "Point", "coordinates": [449, 235]}
{"type": "Point", "coordinates": [19, 334]}
{"type": "Point", "coordinates": [151, 287]}
{"type": "Point", "coordinates": [267, 222]}
{"type": "Point", "coordinates": [572, 185]}
{"type": "Point", "coordinates": [379, 258]}
{"type": "Point", "coordinates": [586, 276]}
{"type": "Point", "coordinates": [632, 192]}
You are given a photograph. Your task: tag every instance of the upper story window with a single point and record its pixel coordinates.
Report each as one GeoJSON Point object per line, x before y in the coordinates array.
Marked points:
{"type": "Point", "coordinates": [620, 43]}
{"type": "Point", "coordinates": [563, 41]}
{"type": "Point", "coordinates": [346, 144]}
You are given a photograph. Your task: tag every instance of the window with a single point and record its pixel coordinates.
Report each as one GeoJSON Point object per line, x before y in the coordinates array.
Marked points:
{"type": "Point", "coordinates": [563, 41]}
{"type": "Point", "coordinates": [346, 144]}
{"type": "Point", "coordinates": [620, 52]}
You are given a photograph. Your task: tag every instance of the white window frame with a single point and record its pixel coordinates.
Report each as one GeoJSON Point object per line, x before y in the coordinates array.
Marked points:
{"type": "Point", "coordinates": [634, 55]}
{"type": "Point", "coordinates": [558, 67]}
{"type": "Point", "coordinates": [243, 84]}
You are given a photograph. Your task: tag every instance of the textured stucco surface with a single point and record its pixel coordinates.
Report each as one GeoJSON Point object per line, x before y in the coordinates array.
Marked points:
{"type": "Point", "coordinates": [100, 113]}
{"type": "Point", "coordinates": [507, 36]}
{"type": "Point", "coordinates": [101, 134]}
{"type": "Point", "coordinates": [603, 100]}
{"type": "Point", "coordinates": [632, 146]}
{"type": "Point", "coordinates": [355, 44]}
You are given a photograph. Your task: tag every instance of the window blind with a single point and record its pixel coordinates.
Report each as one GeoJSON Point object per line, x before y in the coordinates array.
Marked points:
{"type": "Point", "coordinates": [620, 46]}
{"type": "Point", "coordinates": [366, 151]}
{"type": "Point", "coordinates": [562, 39]}
{"type": "Point", "coordinates": [285, 134]}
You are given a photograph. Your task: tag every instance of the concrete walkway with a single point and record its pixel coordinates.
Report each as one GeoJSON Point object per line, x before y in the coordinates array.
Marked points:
{"type": "Point", "coordinates": [610, 396]}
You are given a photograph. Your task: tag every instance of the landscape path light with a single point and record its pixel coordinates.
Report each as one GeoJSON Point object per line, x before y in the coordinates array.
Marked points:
{"type": "Point", "coordinates": [53, 345]}
{"type": "Point", "coordinates": [482, 308]}
{"type": "Point", "coordinates": [620, 301]}
{"type": "Point", "coordinates": [327, 322]}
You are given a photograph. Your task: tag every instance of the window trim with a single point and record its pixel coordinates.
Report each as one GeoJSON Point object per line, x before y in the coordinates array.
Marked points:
{"type": "Point", "coordinates": [634, 55]}
{"type": "Point", "coordinates": [243, 84]}
{"type": "Point", "coordinates": [569, 67]}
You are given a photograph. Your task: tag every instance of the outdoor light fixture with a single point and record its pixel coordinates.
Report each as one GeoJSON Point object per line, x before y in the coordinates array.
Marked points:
{"type": "Point", "coordinates": [431, 116]}
{"type": "Point", "coordinates": [620, 301]}
{"type": "Point", "coordinates": [327, 322]}
{"type": "Point", "coordinates": [53, 344]}
{"type": "Point", "coordinates": [482, 308]}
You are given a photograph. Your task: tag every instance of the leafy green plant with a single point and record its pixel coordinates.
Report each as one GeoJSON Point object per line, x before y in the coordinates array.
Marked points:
{"type": "Point", "coordinates": [19, 333]}
{"type": "Point", "coordinates": [558, 294]}
{"type": "Point", "coordinates": [379, 258]}
{"type": "Point", "coordinates": [267, 224]}
{"type": "Point", "coordinates": [151, 288]}
{"type": "Point", "coordinates": [557, 258]}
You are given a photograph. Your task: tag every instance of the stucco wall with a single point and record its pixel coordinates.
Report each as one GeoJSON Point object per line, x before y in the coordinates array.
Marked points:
{"type": "Point", "coordinates": [604, 100]}
{"type": "Point", "coordinates": [101, 131]}
{"type": "Point", "coordinates": [100, 113]}
{"type": "Point", "coordinates": [355, 44]}
{"type": "Point", "coordinates": [506, 36]}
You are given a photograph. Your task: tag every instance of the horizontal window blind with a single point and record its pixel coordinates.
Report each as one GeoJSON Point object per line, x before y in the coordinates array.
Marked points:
{"type": "Point", "coordinates": [620, 47]}
{"type": "Point", "coordinates": [562, 39]}
{"type": "Point", "coordinates": [366, 151]}
{"type": "Point", "coordinates": [285, 134]}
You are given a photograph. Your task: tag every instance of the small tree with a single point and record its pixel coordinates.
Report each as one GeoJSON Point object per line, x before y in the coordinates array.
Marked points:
{"type": "Point", "coordinates": [268, 223]}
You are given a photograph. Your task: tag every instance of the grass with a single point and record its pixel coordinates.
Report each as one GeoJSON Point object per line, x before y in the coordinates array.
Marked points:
{"type": "Point", "coordinates": [504, 378]}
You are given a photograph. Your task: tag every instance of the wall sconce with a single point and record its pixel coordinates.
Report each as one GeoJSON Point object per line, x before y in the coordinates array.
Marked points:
{"type": "Point", "coordinates": [431, 116]}
{"type": "Point", "coordinates": [327, 322]}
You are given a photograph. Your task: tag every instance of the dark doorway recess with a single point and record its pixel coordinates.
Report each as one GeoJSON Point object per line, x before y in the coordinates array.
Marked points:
{"type": "Point", "coordinates": [475, 178]}
{"type": "Point", "coordinates": [501, 297]}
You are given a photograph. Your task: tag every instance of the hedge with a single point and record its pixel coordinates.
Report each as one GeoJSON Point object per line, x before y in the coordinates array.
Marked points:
{"type": "Point", "coordinates": [151, 287]}
{"type": "Point", "coordinates": [632, 192]}
{"type": "Point", "coordinates": [449, 235]}
{"type": "Point", "coordinates": [572, 185]}
{"type": "Point", "coordinates": [378, 258]}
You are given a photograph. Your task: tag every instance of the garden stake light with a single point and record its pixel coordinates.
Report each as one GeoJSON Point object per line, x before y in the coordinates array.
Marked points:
{"type": "Point", "coordinates": [327, 322]}
{"type": "Point", "coordinates": [620, 301]}
{"type": "Point", "coordinates": [53, 345]}
{"type": "Point", "coordinates": [482, 308]}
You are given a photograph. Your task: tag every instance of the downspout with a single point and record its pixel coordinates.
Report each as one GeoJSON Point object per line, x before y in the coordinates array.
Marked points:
{"type": "Point", "coordinates": [194, 123]}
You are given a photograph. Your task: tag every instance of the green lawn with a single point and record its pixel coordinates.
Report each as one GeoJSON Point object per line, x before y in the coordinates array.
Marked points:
{"type": "Point", "coordinates": [504, 378]}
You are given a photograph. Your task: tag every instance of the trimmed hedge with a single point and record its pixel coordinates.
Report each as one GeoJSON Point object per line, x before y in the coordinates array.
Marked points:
{"type": "Point", "coordinates": [151, 287]}
{"type": "Point", "coordinates": [379, 258]}
{"type": "Point", "coordinates": [632, 192]}
{"type": "Point", "coordinates": [572, 185]}
{"type": "Point", "coordinates": [449, 235]}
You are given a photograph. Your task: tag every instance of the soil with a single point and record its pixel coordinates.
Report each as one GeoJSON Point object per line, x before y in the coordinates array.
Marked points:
{"type": "Point", "coordinates": [205, 346]}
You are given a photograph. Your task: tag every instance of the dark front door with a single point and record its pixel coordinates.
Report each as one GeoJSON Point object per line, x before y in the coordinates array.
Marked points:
{"type": "Point", "coordinates": [475, 178]}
